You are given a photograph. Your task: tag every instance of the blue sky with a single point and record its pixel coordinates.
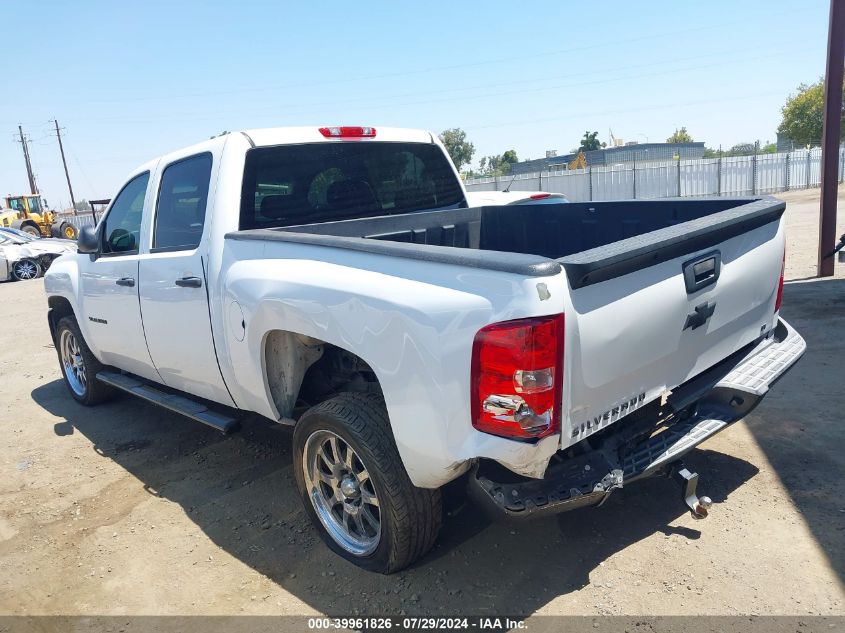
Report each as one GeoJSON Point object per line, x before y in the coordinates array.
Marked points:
{"type": "Point", "coordinates": [130, 81]}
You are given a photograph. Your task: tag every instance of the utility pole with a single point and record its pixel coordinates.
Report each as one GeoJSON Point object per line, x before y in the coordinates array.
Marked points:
{"type": "Point", "coordinates": [64, 162]}
{"type": "Point", "coordinates": [831, 135]}
{"type": "Point", "coordinates": [33, 188]}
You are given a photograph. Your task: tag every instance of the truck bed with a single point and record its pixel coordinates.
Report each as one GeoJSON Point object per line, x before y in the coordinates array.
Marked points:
{"type": "Point", "coordinates": [593, 241]}
{"type": "Point", "coordinates": [638, 322]}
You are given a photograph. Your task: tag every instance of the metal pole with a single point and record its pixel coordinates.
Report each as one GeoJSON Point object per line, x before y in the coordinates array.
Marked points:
{"type": "Point", "coordinates": [807, 171]}
{"type": "Point", "coordinates": [786, 180]}
{"type": "Point", "coordinates": [754, 170]}
{"type": "Point", "coordinates": [64, 162]}
{"type": "Point", "coordinates": [33, 188]}
{"type": "Point", "coordinates": [831, 135]}
{"type": "Point", "coordinates": [719, 173]}
{"type": "Point", "coordinates": [590, 172]}
{"type": "Point", "coordinates": [635, 175]}
{"type": "Point", "coordinates": [679, 172]}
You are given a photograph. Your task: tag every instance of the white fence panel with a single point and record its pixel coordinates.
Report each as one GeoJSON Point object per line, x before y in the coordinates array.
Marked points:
{"type": "Point", "coordinates": [771, 173]}
{"type": "Point", "coordinates": [611, 183]}
{"type": "Point", "coordinates": [700, 177]}
{"type": "Point", "coordinates": [727, 176]}
{"type": "Point", "coordinates": [657, 180]}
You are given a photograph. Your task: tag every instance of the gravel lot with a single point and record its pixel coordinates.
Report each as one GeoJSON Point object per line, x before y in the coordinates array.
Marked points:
{"type": "Point", "coordinates": [128, 509]}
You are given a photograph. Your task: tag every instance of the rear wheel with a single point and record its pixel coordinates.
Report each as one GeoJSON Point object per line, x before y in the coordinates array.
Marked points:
{"type": "Point", "coordinates": [32, 230]}
{"type": "Point", "coordinates": [355, 489]}
{"type": "Point", "coordinates": [26, 269]}
{"type": "Point", "coordinates": [79, 366]}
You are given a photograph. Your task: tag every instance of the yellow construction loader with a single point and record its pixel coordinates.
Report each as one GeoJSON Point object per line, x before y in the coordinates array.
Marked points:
{"type": "Point", "coordinates": [28, 213]}
{"type": "Point", "coordinates": [580, 162]}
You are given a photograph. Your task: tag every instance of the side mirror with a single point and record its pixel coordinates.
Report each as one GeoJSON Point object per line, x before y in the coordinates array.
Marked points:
{"type": "Point", "coordinates": [87, 241]}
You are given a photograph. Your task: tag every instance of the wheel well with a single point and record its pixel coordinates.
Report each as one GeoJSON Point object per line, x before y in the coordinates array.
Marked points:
{"type": "Point", "coordinates": [302, 371]}
{"type": "Point", "coordinates": [59, 307]}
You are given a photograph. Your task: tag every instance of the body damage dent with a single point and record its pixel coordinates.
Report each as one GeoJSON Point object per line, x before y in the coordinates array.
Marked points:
{"type": "Point", "coordinates": [287, 357]}
{"type": "Point", "coordinates": [528, 460]}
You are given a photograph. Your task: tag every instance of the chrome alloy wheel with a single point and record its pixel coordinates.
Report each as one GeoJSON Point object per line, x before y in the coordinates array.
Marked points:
{"type": "Point", "coordinates": [342, 493]}
{"type": "Point", "coordinates": [72, 363]}
{"type": "Point", "coordinates": [26, 269]}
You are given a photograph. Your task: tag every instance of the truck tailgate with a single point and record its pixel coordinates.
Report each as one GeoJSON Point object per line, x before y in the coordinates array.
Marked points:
{"type": "Point", "coordinates": [636, 330]}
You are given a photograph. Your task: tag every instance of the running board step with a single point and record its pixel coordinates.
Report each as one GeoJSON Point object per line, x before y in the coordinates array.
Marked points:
{"type": "Point", "coordinates": [180, 404]}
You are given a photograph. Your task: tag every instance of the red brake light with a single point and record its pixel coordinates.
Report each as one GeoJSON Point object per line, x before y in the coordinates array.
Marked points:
{"type": "Point", "coordinates": [780, 282]}
{"type": "Point", "coordinates": [348, 131]}
{"type": "Point", "coordinates": [540, 196]}
{"type": "Point", "coordinates": [517, 377]}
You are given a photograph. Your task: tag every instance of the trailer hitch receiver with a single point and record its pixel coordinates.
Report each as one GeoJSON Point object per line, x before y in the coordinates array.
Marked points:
{"type": "Point", "coordinates": [698, 506]}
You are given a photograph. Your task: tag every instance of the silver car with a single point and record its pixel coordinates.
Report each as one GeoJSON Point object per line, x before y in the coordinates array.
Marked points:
{"type": "Point", "coordinates": [24, 256]}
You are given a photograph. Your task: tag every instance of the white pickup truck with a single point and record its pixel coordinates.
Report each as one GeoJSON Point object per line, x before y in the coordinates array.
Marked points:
{"type": "Point", "coordinates": [335, 279]}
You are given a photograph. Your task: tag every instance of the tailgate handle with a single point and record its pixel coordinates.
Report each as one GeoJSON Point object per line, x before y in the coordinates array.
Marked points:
{"type": "Point", "coordinates": [702, 271]}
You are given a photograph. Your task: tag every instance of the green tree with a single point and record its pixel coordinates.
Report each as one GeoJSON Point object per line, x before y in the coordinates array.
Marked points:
{"type": "Point", "coordinates": [498, 165]}
{"type": "Point", "coordinates": [459, 148]}
{"type": "Point", "coordinates": [769, 148]}
{"type": "Point", "coordinates": [680, 136]}
{"type": "Point", "coordinates": [589, 142]}
{"type": "Point", "coordinates": [803, 115]}
{"type": "Point", "coordinates": [742, 149]}
{"type": "Point", "coordinates": [709, 152]}
{"type": "Point", "coordinates": [82, 205]}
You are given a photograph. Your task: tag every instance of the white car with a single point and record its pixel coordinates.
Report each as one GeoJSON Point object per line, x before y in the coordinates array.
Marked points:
{"type": "Point", "coordinates": [336, 280]}
{"type": "Point", "coordinates": [482, 198]}
{"type": "Point", "coordinates": [23, 256]}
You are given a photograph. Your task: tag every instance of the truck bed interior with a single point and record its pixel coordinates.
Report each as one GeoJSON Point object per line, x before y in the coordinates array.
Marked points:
{"type": "Point", "coordinates": [590, 239]}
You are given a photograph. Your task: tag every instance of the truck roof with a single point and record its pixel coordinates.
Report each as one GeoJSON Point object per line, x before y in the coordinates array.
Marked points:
{"type": "Point", "coordinates": [311, 134]}
{"type": "Point", "coordinates": [266, 137]}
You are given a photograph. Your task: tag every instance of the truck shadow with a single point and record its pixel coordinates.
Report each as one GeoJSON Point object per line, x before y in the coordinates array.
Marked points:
{"type": "Point", "coordinates": [799, 424]}
{"type": "Point", "coordinates": [239, 490]}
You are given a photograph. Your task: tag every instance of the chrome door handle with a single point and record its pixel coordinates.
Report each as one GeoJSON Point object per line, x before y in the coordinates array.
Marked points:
{"type": "Point", "coordinates": [189, 282]}
{"type": "Point", "coordinates": [125, 281]}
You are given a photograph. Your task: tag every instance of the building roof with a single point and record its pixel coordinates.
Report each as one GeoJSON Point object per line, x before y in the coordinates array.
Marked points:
{"type": "Point", "coordinates": [611, 155]}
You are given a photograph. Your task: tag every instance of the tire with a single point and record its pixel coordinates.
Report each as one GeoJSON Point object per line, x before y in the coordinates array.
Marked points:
{"type": "Point", "coordinates": [55, 231]}
{"type": "Point", "coordinates": [26, 269]}
{"type": "Point", "coordinates": [408, 517]}
{"type": "Point", "coordinates": [79, 366]}
{"type": "Point", "coordinates": [68, 231]}
{"type": "Point", "coordinates": [32, 230]}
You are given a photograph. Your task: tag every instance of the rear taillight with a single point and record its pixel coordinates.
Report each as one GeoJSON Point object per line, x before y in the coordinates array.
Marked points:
{"type": "Point", "coordinates": [517, 377]}
{"type": "Point", "coordinates": [780, 282]}
{"type": "Point", "coordinates": [540, 196]}
{"type": "Point", "coordinates": [348, 131]}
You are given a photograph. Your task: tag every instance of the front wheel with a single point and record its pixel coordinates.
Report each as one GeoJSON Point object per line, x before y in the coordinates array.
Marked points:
{"type": "Point", "coordinates": [79, 366]}
{"type": "Point", "coordinates": [26, 269]}
{"type": "Point", "coordinates": [355, 489]}
{"type": "Point", "coordinates": [32, 230]}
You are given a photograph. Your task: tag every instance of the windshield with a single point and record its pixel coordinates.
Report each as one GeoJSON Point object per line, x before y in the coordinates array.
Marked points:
{"type": "Point", "coordinates": [321, 182]}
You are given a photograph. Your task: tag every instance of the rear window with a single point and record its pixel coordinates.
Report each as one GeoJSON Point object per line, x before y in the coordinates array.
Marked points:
{"type": "Point", "coordinates": [322, 182]}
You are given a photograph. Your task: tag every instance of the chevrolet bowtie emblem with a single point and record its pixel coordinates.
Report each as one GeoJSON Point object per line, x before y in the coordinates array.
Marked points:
{"type": "Point", "coordinates": [702, 313]}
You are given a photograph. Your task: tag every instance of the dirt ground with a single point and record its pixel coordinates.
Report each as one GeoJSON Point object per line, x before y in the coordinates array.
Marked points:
{"type": "Point", "coordinates": [128, 509]}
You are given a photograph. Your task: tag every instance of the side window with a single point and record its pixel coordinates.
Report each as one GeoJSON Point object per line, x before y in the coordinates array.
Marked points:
{"type": "Point", "coordinates": [182, 198]}
{"type": "Point", "coordinates": [122, 225]}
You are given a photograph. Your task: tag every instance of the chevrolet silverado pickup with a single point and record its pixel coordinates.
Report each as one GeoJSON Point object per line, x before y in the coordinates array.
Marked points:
{"type": "Point", "coordinates": [336, 280]}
